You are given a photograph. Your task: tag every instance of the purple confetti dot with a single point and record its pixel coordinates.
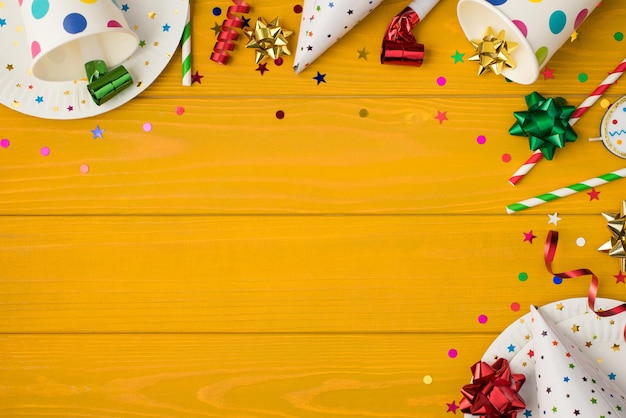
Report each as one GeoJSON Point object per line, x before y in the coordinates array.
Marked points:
{"type": "Point", "coordinates": [4, 143]}
{"type": "Point", "coordinates": [482, 319]}
{"type": "Point", "coordinates": [452, 353]}
{"type": "Point", "coordinates": [278, 61]}
{"type": "Point", "coordinates": [441, 81]}
{"type": "Point", "coordinates": [481, 139]}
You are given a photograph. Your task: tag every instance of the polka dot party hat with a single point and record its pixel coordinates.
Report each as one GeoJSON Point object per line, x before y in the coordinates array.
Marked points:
{"type": "Point", "coordinates": [45, 44]}
{"type": "Point", "coordinates": [573, 361]}
{"type": "Point", "coordinates": [64, 35]}
{"type": "Point", "coordinates": [539, 27]}
{"type": "Point", "coordinates": [324, 23]}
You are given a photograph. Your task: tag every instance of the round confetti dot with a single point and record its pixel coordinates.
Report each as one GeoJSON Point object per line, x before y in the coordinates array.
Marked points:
{"type": "Point", "coordinates": [363, 113]}
{"type": "Point", "coordinates": [147, 127]}
{"type": "Point", "coordinates": [618, 36]}
{"type": "Point", "coordinates": [482, 319]}
{"type": "Point", "coordinates": [297, 8]}
{"type": "Point", "coordinates": [4, 143]}
{"type": "Point", "coordinates": [74, 23]}
{"type": "Point", "coordinates": [557, 21]}
{"type": "Point", "coordinates": [557, 280]}
{"type": "Point", "coordinates": [280, 114]}
{"type": "Point", "coordinates": [45, 151]}
{"type": "Point", "coordinates": [523, 276]}
{"type": "Point", "coordinates": [582, 77]}
{"type": "Point", "coordinates": [428, 379]}
{"type": "Point", "coordinates": [217, 11]}
{"type": "Point", "coordinates": [481, 139]}
{"type": "Point", "coordinates": [84, 168]}
{"type": "Point", "coordinates": [515, 306]}
{"type": "Point", "coordinates": [180, 110]}
{"type": "Point", "coordinates": [541, 54]}
{"type": "Point", "coordinates": [506, 158]}
{"type": "Point", "coordinates": [452, 353]}
{"type": "Point", "coordinates": [580, 241]}
{"type": "Point", "coordinates": [278, 61]}
{"type": "Point", "coordinates": [441, 81]}
{"type": "Point", "coordinates": [604, 103]}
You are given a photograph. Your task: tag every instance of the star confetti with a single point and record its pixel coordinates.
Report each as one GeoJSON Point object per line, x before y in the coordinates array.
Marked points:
{"type": "Point", "coordinates": [195, 78]}
{"type": "Point", "coordinates": [441, 116]}
{"type": "Point", "coordinates": [619, 278]}
{"type": "Point", "coordinates": [593, 194]}
{"type": "Point", "coordinates": [493, 52]}
{"type": "Point", "coordinates": [547, 73]}
{"type": "Point", "coordinates": [268, 40]}
{"type": "Point", "coordinates": [97, 133]}
{"type": "Point", "coordinates": [362, 53]}
{"type": "Point", "coordinates": [554, 218]}
{"type": "Point", "coordinates": [452, 407]}
{"type": "Point", "coordinates": [262, 68]}
{"type": "Point", "coordinates": [320, 78]}
{"type": "Point", "coordinates": [457, 57]}
{"type": "Point", "coordinates": [528, 236]}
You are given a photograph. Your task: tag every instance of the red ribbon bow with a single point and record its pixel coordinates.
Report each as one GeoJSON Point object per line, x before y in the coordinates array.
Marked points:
{"type": "Point", "coordinates": [399, 44]}
{"type": "Point", "coordinates": [493, 392]}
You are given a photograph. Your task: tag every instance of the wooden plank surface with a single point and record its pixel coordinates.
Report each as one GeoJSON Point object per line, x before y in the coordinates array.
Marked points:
{"type": "Point", "coordinates": [229, 263]}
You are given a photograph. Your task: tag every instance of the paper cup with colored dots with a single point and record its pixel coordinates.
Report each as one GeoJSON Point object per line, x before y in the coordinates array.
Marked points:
{"type": "Point", "coordinates": [613, 128]}
{"type": "Point", "coordinates": [539, 27]}
{"type": "Point", "coordinates": [64, 35]}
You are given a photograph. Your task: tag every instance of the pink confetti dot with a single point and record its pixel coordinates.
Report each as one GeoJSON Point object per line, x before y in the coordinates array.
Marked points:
{"type": "Point", "coordinates": [278, 61]}
{"type": "Point", "coordinates": [515, 306]}
{"type": "Point", "coordinates": [4, 143]}
{"type": "Point", "coordinates": [84, 168]}
{"type": "Point", "coordinates": [280, 114]}
{"type": "Point", "coordinates": [147, 127]}
{"type": "Point", "coordinates": [179, 110]}
{"type": "Point", "coordinates": [45, 151]}
{"type": "Point", "coordinates": [481, 139]}
{"type": "Point", "coordinates": [482, 319]}
{"type": "Point", "coordinates": [452, 353]}
{"type": "Point", "coordinates": [506, 157]}
{"type": "Point", "coordinates": [441, 81]}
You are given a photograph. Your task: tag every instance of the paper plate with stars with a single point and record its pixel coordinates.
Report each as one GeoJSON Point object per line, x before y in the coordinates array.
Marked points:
{"type": "Point", "coordinates": [574, 361]}
{"type": "Point", "coordinates": [613, 128]}
{"type": "Point", "coordinates": [158, 26]}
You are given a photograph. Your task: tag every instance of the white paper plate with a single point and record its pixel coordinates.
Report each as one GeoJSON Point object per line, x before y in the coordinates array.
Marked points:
{"type": "Point", "coordinates": [159, 25]}
{"type": "Point", "coordinates": [515, 343]}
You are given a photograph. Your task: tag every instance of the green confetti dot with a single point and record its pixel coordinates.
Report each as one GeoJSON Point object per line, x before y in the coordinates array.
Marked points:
{"type": "Point", "coordinates": [618, 36]}
{"type": "Point", "coordinates": [523, 276]}
{"type": "Point", "coordinates": [582, 77]}
{"type": "Point", "coordinates": [363, 113]}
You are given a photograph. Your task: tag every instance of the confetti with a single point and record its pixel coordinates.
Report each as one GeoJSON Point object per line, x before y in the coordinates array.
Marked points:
{"type": "Point", "coordinates": [441, 116]}
{"type": "Point", "coordinates": [180, 110]}
{"type": "Point", "coordinates": [618, 36]}
{"type": "Point", "coordinates": [45, 151]}
{"type": "Point", "coordinates": [4, 143]}
{"type": "Point", "coordinates": [619, 278]}
{"type": "Point", "coordinates": [84, 168]}
{"type": "Point", "coordinates": [481, 139]}
{"type": "Point", "coordinates": [557, 280]}
{"type": "Point", "coordinates": [278, 61]}
{"type": "Point", "coordinates": [580, 241]}
{"type": "Point", "coordinates": [506, 157]}
{"type": "Point", "coordinates": [363, 113]}
{"type": "Point", "coordinates": [529, 236]}
{"type": "Point", "coordinates": [547, 73]}
{"type": "Point", "coordinates": [482, 319]}
{"type": "Point", "coordinates": [97, 132]}
{"type": "Point", "coordinates": [441, 81]}
{"type": "Point", "coordinates": [297, 9]}
{"type": "Point", "coordinates": [428, 379]}
{"type": "Point", "coordinates": [217, 11]}
{"type": "Point", "coordinates": [196, 78]}
{"type": "Point", "coordinates": [147, 127]}
{"type": "Point", "coordinates": [452, 407]}
{"type": "Point", "coordinates": [515, 306]}
{"type": "Point", "coordinates": [320, 78]}
{"type": "Point", "coordinates": [593, 194]}
{"type": "Point", "coordinates": [452, 353]}
{"type": "Point", "coordinates": [523, 276]}
{"type": "Point", "coordinates": [262, 68]}
{"type": "Point", "coordinates": [280, 114]}
{"type": "Point", "coordinates": [554, 218]}
{"type": "Point", "coordinates": [583, 77]}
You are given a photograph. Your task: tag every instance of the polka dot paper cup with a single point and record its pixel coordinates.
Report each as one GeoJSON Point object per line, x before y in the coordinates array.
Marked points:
{"type": "Point", "coordinates": [63, 35]}
{"type": "Point", "coordinates": [539, 27]}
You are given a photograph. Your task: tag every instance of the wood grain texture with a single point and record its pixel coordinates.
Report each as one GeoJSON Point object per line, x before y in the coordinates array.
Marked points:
{"type": "Point", "coordinates": [232, 264]}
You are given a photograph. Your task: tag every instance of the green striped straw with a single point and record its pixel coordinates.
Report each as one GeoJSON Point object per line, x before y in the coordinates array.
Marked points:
{"type": "Point", "coordinates": [566, 191]}
{"type": "Point", "coordinates": [186, 47]}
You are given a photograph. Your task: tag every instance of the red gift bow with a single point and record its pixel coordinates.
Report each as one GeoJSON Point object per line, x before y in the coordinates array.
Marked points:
{"type": "Point", "coordinates": [493, 392]}
{"type": "Point", "coordinates": [548, 254]}
{"type": "Point", "coordinates": [399, 44]}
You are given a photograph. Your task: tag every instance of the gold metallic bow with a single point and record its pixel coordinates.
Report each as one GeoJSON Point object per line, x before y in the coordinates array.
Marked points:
{"type": "Point", "coordinates": [493, 52]}
{"type": "Point", "coordinates": [615, 247]}
{"type": "Point", "coordinates": [269, 40]}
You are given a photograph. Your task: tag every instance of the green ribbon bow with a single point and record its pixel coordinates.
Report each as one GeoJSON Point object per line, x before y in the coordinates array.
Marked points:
{"type": "Point", "coordinates": [545, 123]}
{"type": "Point", "coordinates": [104, 84]}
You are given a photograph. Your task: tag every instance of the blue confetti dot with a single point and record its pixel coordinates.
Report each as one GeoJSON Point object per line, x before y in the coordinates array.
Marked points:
{"type": "Point", "coordinates": [557, 280]}
{"type": "Point", "coordinates": [74, 23]}
{"type": "Point", "coordinates": [217, 11]}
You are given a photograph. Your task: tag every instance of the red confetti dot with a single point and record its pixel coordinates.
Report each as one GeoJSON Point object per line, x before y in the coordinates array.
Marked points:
{"type": "Point", "coordinates": [180, 110]}
{"type": "Point", "coordinates": [280, 114]}
{"type": "Point", "coordinates": [506, 157]}
{"type": "Point", "coordinates": [614, 121]}
{"type": "Point", "coordinates": [482, 319]}
{"type": "Point", "coordinates": [515, 306]}
{"type": "Point", "coordinates": [452, 353]}
{"type": "Point", "coordinates": [278, 61]}
{"type": "Point", "coordinates": [297, 8]}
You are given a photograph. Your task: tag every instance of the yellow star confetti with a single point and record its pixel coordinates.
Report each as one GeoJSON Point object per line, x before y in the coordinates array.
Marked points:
{"type": "Point", "coordinates": [151, 15]}
{"type": "Point", "coordinates": [574, 36]}
{"type": "Point", "coordinates": [615, 347]}
{"type": "Point", "coordinates": [493, 52]}
{"type": "Point", "coordinates": [269, 40]}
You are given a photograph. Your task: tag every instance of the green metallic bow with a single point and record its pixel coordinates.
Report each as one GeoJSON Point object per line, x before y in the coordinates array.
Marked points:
{"type": "Point", "coordinates": [545, 123]}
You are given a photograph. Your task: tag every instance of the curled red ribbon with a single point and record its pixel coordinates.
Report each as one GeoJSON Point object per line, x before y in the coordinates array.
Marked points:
{"type": "Point", "coordinates": [399, 44]}
{"type": "Point", "coordinates": [548, 255]}
{"type": "Point", "coordinates": [228, 34]}
{"type": "Point", "coordinates": [493, 392]}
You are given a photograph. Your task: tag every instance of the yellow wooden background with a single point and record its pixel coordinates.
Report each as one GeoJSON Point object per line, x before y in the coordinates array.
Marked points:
{"type": "Point", "coordinates": [232, 264]}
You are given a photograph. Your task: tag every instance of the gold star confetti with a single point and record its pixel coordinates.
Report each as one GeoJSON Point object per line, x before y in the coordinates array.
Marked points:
{"type": "Point", "coordinates": [156, 43]}
{"type": "Point", "coordinates": [362, 53]}
{"type": "Point", "coordinates": [269, 40]}
{"type": "Point", "coordinates": [575, 328]}
{"type": "Point", "coordinates": [18, 29]}
{"type": "Point", "coordinates": [616, 245]}
{"type": "Point", "coordinates": [176, 11]}
{"type": "Point", "coordinates": [493, 52]}
{"type": "Point", "coordinates": [151, 15]}
{"type": "Point", "coordinates": [615, 347]}
{"type": "Point", "coordinates": [55, 109]}
{"type": "Point", "coordinates": [599, 359]}
{"type": "Point", "coordinates": [574, 36]}
{"type": "Point", "coordinates": [136, 27]}
{"type": "Point", "coordinates": [1, 5]}
{"type": "Point", "coordinates": [16, 104]}
{"type": "Point", "coordinates": [18, 85]}
{"type": "Point", "coordinates": [216, 28]}
{"type": "Point", "coordinates": [524, 364]}
{"type": "Point", "coordinates": [139, 84]}
{"type": "Point", "coordinates": [66, 92]}
{"type": "Point", "coordinates": [10, 67]}
{"type": "Point", "coordinates": [559, 306]}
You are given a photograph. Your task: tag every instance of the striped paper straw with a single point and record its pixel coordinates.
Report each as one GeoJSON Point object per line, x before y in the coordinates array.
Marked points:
{"type": "Point", "coordinates": [580, 110]}
{"type": "Point", "coordinates": [186, 41]}
{"type": "Point", "coordinates": [566, 191]}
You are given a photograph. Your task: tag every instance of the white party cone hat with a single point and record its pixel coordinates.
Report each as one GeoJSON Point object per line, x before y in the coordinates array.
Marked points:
{"type": "Point", "coordinates": [324, 23]}
{"type": "Point", "coordinates": [569, 384]}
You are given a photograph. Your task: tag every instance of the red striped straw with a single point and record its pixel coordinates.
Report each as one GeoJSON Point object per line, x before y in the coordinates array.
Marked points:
{"type": "Point", "coordinates": [580, 110]}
